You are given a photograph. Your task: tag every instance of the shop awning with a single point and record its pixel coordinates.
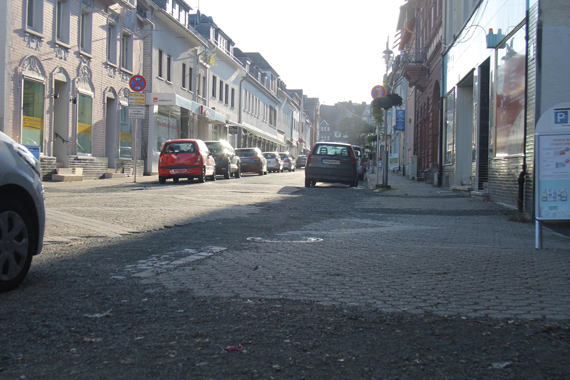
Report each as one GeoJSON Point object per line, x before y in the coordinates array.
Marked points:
{"type": "Point", "coordinates": [261, 133]}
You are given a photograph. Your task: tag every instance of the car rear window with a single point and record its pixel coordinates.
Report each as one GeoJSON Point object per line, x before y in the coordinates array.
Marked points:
{"type": "Point", "coordinates": [331, 150]}
{"type": "Point", "coordinates": [180, 147]}
{"type": "Point", "coordinates": [269, 155]}
{"type": "Point", "coordinates": [247, 153]}
{"type": "Point", "coordinates": [215, 147]}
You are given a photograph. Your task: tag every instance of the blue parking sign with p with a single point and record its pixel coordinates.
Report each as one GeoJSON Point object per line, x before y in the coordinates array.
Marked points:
{"type": "Point", "coordinates": [561, 116]}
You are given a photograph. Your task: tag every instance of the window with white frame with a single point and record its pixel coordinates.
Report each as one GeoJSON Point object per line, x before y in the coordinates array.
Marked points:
{"type": "Point", "coordinates": [160, 54]}
{"type": "Point", "coordinates": [168, 67]}
{"type": "Point", "coordinates": [35, 15]}
{"type": "Point", "coordinates": [127, 51]}
{"type": "Point", "coordinates": [112, 43]}
{"type": "Point", "coordinates": [85, 32]}
{"type": "Point", "coordinates": [62, 21]}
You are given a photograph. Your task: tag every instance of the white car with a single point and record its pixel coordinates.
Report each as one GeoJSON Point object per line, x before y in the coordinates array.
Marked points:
{"type": "Point", "coordinates": [22, 212]}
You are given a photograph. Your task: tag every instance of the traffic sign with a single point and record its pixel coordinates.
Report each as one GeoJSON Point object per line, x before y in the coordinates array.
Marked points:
{"type": "Point", "coordinates": [137, 99]}
{"type": "Point", "coordinates": [137, 83]}
{"type": "Point", "coordinates": [378, 91]}
{"type": "Point", "coordinates": [136, 112]}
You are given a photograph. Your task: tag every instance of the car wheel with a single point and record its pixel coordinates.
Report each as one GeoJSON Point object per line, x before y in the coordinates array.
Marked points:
{"type": "Point", "coordinates": [228, 173]}
{"type": "Point", "coordinates": [175, 179]}
{"type": "Point", "coordinates": [238, 172]}
{"type": "Point", "coordinates": [213, 176]}
{"type": "Point", "coordinates": [18, 241]}
{"type": "Point", "coordinates": [161, 180]}
{"type": "Point", "coordinates": [202, 177]}
{"type": "Point", "coordinates": [307, 182]}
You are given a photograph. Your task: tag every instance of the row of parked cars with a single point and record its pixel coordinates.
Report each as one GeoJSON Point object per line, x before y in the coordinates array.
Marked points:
{"type": "Point", "coordinates": [201, 160]}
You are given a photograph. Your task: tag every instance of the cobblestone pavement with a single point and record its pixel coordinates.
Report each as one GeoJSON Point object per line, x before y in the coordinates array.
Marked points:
{"type": "Point", "coordinates": [415, 248]}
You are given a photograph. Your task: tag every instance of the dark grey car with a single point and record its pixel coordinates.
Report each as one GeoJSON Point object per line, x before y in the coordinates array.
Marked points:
{"type": "Point", "coordinates": [227, 161]}
{"type": "Point", "coordinates": [331, 162]}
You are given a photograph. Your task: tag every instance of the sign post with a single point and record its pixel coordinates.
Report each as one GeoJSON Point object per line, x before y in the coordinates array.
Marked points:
{"type": "Point", "coordinates": [552, 171]}
{"type": "Point", "coordinates": [137, 104]}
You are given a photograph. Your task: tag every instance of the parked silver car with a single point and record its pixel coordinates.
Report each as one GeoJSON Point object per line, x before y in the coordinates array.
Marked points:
{"type": "Point", "coordinates": [288, 161]}
{"type": "Point", "coordinates": [274, 163]}
{"type": "Point", "coordinates": [361, 165]}
{"type": "Point", "coordinates": [22, 212]}
{"type": "Point", "coordinates": [331, 162]}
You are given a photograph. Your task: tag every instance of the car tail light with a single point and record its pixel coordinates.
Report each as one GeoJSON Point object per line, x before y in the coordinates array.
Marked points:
{"type": "Point", "coordinates": [308, 160]}
{"type": "Point", "coordinates": [256, 158]}
{"type": "Point", "coordinates": [287, 160]}
{"type": "Point", "coordinates": [199, 159]}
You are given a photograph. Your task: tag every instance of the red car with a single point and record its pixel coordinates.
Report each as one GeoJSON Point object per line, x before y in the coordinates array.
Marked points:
{"type": "Point", "coordinates": [186, 158]}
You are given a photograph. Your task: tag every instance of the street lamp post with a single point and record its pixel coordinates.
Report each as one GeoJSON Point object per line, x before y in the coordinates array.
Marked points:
{"type": "Point", "coordinates": [387, 54]}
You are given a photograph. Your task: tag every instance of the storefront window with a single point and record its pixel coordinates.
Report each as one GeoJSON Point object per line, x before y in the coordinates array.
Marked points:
{"type": "Point", "coordinates": [510, 99]}
{"type": "Point", "coordinates": [33, 114]}
{"type": "Point", "coordinates": [168, 124]}
{"type": "Point", "coordinates": [449, 127]}
{"type": "Point", "coordinates": [126, 136]}
{"type": "Point", "coordinates": [84, 124]}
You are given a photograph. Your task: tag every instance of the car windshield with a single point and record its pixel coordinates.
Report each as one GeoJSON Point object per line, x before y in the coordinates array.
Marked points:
{"type": "Point", "coordinates": [247, 153]}
{"type": "Point", "coordinates": [269, 155]}
{"type": "Point", "coordinates": [180, 147]}
{"type": "Point", "coordinates": [215, 147]}
{"type": "Point", "coordinates": [332, 150]}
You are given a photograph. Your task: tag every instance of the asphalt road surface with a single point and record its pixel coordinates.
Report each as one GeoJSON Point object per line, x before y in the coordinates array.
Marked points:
{"type": "Point", "coordinates": [260, 277]}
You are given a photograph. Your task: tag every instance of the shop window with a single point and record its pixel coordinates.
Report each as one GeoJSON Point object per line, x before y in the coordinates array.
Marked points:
{"type": "Point", "coordinates": [449, 123]}
{"type": "Point", "coordinates": [510, 96]}
{"type": "Point", "coordinates": [85, 32]}
{"type": "Point", "coordinates": [33, 113]}
{"type": "Point", "coordinates": [35, 15]}
{"type": "Point", "coordinates": [125, 134]}
{"type": "Point", "coordinates": [84, 124]}
{"type": "Point", "coordinates": [112, 43]}
{"type": "Point", "coordinates": [127, 51]}
{"type": "Point", "coordinates": [62, 21]}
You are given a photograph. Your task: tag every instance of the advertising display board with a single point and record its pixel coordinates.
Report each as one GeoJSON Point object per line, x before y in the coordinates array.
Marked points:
{"type": "Point", "coordinates": [552, 167]}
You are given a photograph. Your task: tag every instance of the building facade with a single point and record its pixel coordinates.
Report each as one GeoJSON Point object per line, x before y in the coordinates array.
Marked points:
{"type": "Point", "coordinates": [65, 70]}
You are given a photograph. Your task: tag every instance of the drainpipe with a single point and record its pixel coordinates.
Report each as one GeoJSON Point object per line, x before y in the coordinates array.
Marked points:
{"type": "Point", "coordinates": [240, 111]}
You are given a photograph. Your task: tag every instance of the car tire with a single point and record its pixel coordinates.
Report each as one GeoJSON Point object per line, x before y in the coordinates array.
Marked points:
{"type": "Point", "coordinates": [161, 180]}
{"type": "Point", "coordinates": [202, 177]}
{"type": "Point", "coordinates": [307, 182]}
{"type": "Point", "coordinates": [19, 242]}
{"type": "Point", "coordinates": [213, 176]}
{"type": "Point", "coordinates": [237, 174]}
{"type": "Point", "coordinates": [175, 179]}
{"type": "Point", "coordinates": [228, 173]}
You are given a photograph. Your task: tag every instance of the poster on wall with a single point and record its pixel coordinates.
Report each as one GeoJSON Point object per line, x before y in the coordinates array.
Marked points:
{"type": "Point", "coordinates": [394, 162]}
{"type": "Point", "coordinates": [510, 99]}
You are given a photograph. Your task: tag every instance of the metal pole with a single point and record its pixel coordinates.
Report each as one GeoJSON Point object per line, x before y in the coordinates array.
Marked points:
{"type": "Point", "coordinates": [538, 234]}
{"type": "Point", "coordinates": [385, 160]}
{"type": "Point", "coordinates": [377, 155]}
{"type": "Point", "coordinates": [135, 148]}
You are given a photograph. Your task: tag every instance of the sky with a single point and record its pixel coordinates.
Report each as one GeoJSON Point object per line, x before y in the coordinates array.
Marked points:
{"type": "Point", "coordinates": [331, 49]}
